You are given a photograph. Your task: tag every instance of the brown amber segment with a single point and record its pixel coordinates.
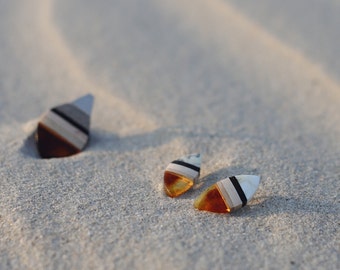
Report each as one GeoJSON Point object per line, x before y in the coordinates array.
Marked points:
{"type": "Point", "coordinates": [211, 200]}
{"type": "Point", "coordinates": [175, 185]}
{"type": "Point", "coordinates": [51, 145]}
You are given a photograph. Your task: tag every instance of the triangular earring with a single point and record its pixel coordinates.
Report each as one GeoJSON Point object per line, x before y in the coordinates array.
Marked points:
{"type": "Point", "coordinates": [181, 174]}
{"type": "Point", "coordinates": [64, 130]}
{"type": "Point", "coordinates": [228, 194]}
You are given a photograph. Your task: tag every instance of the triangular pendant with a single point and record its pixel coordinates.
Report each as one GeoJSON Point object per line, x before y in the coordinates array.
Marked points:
{"type": "Point", "coordinates": [64, 130]}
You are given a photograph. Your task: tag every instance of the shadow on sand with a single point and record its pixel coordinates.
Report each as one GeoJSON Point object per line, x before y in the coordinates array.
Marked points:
{"type": "Point", "coordinates": [105, 141]}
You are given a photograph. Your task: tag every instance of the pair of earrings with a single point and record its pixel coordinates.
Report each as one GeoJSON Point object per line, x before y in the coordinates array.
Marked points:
{"type": "Point", "coordinates": [225, 196]}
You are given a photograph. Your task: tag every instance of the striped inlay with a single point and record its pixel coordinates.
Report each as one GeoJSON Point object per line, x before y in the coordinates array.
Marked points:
{"type": "Point", "coordinates": [230, 194]}
{"type": "Point", "coordinates": [239, 190]}
{"type": "Point", "coordinates": [74, 116]}
{"type": "Point", "coordinates": [185, 164]}
{"type": "Point", "coordinates": [65, 129]}
{"type": "Point", "coordinates": [182, 170]}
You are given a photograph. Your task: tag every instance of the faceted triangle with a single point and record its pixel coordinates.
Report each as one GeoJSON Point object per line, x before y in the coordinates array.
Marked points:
{"type": "Point", "coordinates": [64, 130]}
{"type": "Point", "coordinates": [85, 103]}
{"type": "Point", "coordinates": [175, 184]}
{"type": "Point", "coordinates": [249, 184]}
{"type": "Point", "coordinates": [181, 173]}
{"type": "Point", "coordinates": [211, 200]}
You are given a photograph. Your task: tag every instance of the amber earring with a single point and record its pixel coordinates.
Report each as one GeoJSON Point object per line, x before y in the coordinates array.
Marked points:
{"type": "Point", "coordinates": [181, 174]}
{"type": "Point", "coordinates": [229, 194]}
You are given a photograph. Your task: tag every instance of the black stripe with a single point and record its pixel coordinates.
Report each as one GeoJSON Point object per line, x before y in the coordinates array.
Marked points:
{"type": "Point", "coordinates": [188, 165]}
{"type": "Point", "coordinates": [70, 120]}
{"type": "Point", "coordinates": [239, 190]}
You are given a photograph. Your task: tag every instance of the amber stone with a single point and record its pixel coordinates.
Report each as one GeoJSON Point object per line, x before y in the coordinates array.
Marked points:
{"type": "Point", "coordinates": [50, 144]}
{"type": "Point", "coordinates": [211, 200]}
{"type": "Point", "coordinates": [175, 184]}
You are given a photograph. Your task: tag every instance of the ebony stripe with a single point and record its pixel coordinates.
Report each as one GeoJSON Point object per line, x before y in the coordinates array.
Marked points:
{"type": "Point", "coordinates": [70, 120]}
{"type": "Point", "coordinates": [188, 165]}
{"type": "Point", "coordinates": [75, 114]}
{"type": "Point", "coordinates": [239, 190]}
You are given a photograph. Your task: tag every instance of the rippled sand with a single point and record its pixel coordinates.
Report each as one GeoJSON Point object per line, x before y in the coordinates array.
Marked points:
{"type": "Point", "coordinates": [254, 87]}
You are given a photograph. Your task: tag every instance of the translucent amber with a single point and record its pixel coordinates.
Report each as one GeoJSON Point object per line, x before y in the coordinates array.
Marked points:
{"type": "Point", "coordinates": [211, 200]}
{"type": "Point", "coordinates": [175, 185]}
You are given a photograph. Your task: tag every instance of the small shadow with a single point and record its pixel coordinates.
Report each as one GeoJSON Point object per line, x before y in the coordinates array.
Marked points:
{"type": "Point", "coordinates": [277, 204]}
{"type": "Point", "coordinates": [29, 147]}
{"type": "Point", "coordinates": [101, 140]}
{"type": "Point", "coordinates": [106, 141]}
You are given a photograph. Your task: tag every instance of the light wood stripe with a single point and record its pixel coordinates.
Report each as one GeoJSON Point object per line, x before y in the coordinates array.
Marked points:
{"type": "Point", "coordinates": [230, 194]}
{"type": "Point", "coordinates": [182, 170]}
{"type": "Point", "coordinates": [65, 129]}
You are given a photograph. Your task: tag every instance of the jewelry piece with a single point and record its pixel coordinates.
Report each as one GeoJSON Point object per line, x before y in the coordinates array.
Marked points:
{"type": "Point", "coordinates": [64, 130]}
{"type": "Point", "coordinates": [180, 175]}
{"type": "Point", "coordinates": [229, 194]}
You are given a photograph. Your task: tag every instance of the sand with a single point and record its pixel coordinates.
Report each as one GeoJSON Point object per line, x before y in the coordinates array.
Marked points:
{"type": "Point", "coordinates": [253, 86]}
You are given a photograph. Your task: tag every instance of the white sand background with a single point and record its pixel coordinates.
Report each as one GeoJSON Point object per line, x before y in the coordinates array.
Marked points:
{"type": "Point", "coordinates": [254, 86]}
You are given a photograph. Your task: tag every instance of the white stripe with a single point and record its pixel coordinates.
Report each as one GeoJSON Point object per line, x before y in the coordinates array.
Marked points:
{"type": "Point", "coordinates": [66, 130]}
{"type": "Point", "coordinates": [224, 195]}
{"type": "Point", "coordinates": [249, 184]}
{"type": "Point", "coordinates": [182, 170]}
{"type": "Point", "coordinates": [227, 188]}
